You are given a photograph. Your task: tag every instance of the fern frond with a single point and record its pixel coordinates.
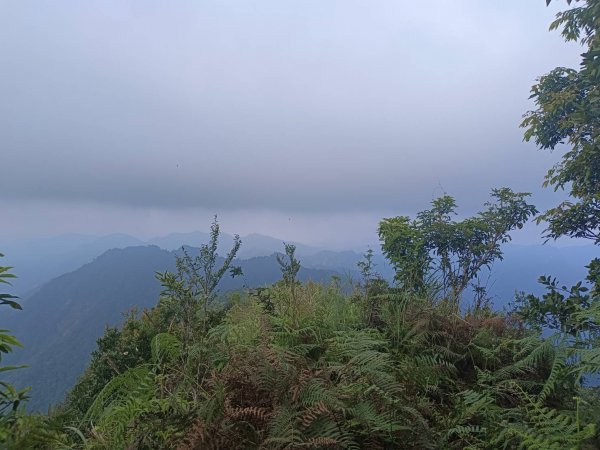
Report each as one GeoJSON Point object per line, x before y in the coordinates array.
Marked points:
{"type": "Point", "coordinates": [119, 388]}
{"type": "Point", "coordinates": [165, 348]}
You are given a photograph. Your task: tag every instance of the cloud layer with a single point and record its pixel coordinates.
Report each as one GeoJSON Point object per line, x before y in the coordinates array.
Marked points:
{"type": "Point", "coordinates": [308, 107]}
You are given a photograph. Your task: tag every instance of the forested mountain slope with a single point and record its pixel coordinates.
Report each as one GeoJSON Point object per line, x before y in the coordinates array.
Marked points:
{"type": "Point", "coordinates": [63, 318]}
{"type": "Point", "coordinates": [41, 260]}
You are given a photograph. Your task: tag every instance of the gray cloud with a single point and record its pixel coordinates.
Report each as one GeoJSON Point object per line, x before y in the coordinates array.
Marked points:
{"type": "Point", "coordinates": [305, 106]}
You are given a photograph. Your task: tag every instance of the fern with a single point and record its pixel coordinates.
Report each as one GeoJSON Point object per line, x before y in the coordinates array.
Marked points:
{"type": "Point", "coordinates": [165, 348]}
{"type": "Point", "coordinates": [119, 389]}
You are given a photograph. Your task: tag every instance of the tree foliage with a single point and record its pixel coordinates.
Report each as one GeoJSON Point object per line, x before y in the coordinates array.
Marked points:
{"type": "Point", "coordinates": [436, 250]}
{"type": "Point", "coordinates": [568, 112]}
{"type": "Point", "coordinates": [567, 116]}
{"type": "Point", "coordinates": [10, 397]}
{"type": "Point", "coordinates": [290, 266]}
{"type": "Point", "coordinates": [557, 309]}
{"type": "Point", "coordinates": [197, 279]}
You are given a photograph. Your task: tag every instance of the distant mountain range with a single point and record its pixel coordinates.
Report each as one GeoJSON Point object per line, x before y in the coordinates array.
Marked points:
{"type": "Point", "coordinates": [41, 260]}
{"type": "Point", "coordinates": [73, 286]}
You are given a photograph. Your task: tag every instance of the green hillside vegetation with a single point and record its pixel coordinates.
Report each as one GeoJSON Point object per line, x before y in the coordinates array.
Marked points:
{"type": "Point", "coordinates": [11, 399]}
{"type": "Point", "coordinates": [411, 364]}
{"type": "Point", "coordinates": [306, 366]}
{"type": "Point", "coordinates": [63, 319]}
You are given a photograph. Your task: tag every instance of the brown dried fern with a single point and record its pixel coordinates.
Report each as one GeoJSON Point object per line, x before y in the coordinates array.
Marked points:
{"type": "Point", "coordinates": [252, 414]}
{"type": "Point", "coordinates": [313, 413]}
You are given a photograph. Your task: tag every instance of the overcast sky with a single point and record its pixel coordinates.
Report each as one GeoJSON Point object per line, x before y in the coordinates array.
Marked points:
{"type": "Point", "coordinates": [303, 119]}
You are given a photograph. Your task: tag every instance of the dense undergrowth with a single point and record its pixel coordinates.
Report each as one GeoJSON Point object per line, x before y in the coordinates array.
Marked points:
{"type": "Point", "coordinates": [310, 367]}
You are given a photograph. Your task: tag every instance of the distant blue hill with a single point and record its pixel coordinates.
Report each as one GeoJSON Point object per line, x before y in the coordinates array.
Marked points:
{"type": "Point", "coordinates": [41, 260]}
{"type": "Point", "coordinates": [38, 261]}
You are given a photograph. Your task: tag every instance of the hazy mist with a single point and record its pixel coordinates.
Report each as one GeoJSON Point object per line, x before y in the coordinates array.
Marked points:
{"type": "Point", "coordinates": [308, 120]}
